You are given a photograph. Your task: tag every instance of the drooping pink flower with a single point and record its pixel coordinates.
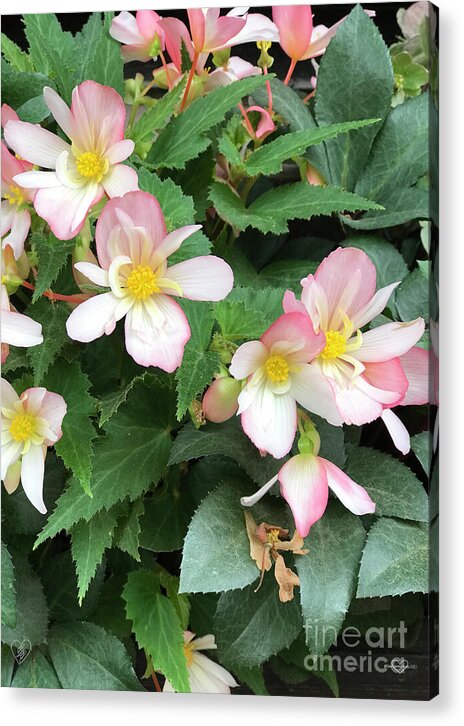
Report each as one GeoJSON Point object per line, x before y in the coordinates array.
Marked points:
{"type": "Point", "coordinates": [305, 480]}
{"type": "Point", "coordinates": [265, 124]}
{"type": "Point", "coordinates": [204, 674]}
{"type": "Point", "coordinates": [363, 369]}
{"type": "Point", "coordinates": [233, 70]}
{"type": "Point", "coordinates": [279, 375]}
{"type": "Point", "coordinates": [211, 31]}
{"type": "Point", "coordinates": [220, 401]}
{"type": "Point", "coordinates": [30, 423]}
{"type": "Point", "coordinates": [142, 35]}
{"type": "Point", "coordinates": [83, 171]}
{"type": "Point", "coordinates": [15, 215]}
{"type": "Point", "coordinates": [133, 248]}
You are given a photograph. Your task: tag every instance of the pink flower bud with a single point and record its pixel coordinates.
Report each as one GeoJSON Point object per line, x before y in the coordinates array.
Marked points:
{"type": "Point", "coordinates": [220, 401]}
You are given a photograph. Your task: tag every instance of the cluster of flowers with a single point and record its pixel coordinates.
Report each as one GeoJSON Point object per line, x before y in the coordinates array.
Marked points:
{"type": "Point", "coordinates": [317, 356]}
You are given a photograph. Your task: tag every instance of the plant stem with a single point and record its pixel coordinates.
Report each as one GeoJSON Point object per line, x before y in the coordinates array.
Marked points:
{"type": "Point", "coordinates": [269, 93]}
{"type": "Point", "coordinates": [166, 70]}
{"type": "Point", "coordinates": [56, 295]}
{"type": "Point", "coordinates": [247, 121]}
{"type": "Point", "coordinates": [290, 71]}
{"type": "Point", "coordinates": [155, 681]}
{"type": "Point", "coordinates": [189, 81]}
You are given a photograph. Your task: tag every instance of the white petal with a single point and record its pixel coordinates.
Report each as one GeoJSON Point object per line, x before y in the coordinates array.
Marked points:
{"type": "Point", "coordinates": [93, 273]}
{"type": "Point", "coordinates": [389, 341]}
{"type": "Point", "coordinates": [32, 476]}
{"type": "Point", "coordinates": [203, 278]}
{"type": "Point", "coordinates": [34, 143]}
{"type": "Point", "coordinates": [120, 180]}
{"type": "Point", "coordinates": [374, 307]}
{"type": "Point", "coordinates": [92, 318]}
{"type": "Point", "coordinates": [397, 430]}
{"type": "Point", "coordinates": [247, 359]}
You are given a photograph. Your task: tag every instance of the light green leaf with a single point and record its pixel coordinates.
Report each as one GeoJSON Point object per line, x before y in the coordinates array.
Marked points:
{"type": "Point", "coordinates": [31, 606]}
{"type": "Point", "coordinates": [355, 80]}
{"type": "Point", "coordinates": [184, 137]}
{"type": "Point", "coordinates": [106, 65]}
{"type": "Point", "coordinates": [393, 487]}
{"type": "Point", "coordinates": [157, 117]}
{"type": "Point", "coordinates": [247, 312]}
{"type": "Point", "coordinates": [52, 50]}
{"type": "Point", "coordinates": [89, 540]}
{"type": "Point", "coordinates": [76, 445]}
{"type": "Point", "coordinates": [328, 574]}
{"type": "Point", "coordinates": [195, 374]}
{"type": "Point", "coordinates": [131, 456]}
{"type": "Point", "coordinates": [20, 60]}
{"type": "Point", "coordinates": [52, 255]}
{"type": "Point", "coordinates": [35, 672]}
{"type": "Point", "coordinates": [395, 559]}
{"type": "Point", "coordinates": [52, 316]}
{"type": "Point", "coordinates": [34, 110]}
{"type": "Point", "coordinates": [251, 626]}
{"type": "Point", "coordinates": [177, 207]}
{"type": "Point", "coordinates": [272, 210]}
{"type": "Point", "coordinates": [8, 589]}
{"type": "Point", "coordinates": [157, 627]}
{"type": "Point", "coordinates": [88, 658]}
{"type": "Point", "coordinates": [268, 159]}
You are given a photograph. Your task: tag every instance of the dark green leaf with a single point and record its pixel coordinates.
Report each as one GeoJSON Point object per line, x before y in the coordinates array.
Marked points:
{"type": "Point", "coordinates": [35, 672]}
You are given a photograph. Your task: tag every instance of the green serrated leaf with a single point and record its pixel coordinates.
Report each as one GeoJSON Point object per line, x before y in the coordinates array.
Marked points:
{"type": "Point", "coordinates": [421, 444]}
{"type": "Point", "coordinates": [164, 524]}
{"type": "Point", "coordinates": [177, 207]}
{"type": "Point", "coordinates": [251, 626]}
{"type": "Point", "coordinates": [157, 627]}
{"type": "Point", "coordinates": [413, 296]}
{"type": "Point", "coordinates": [395, 559]}
{"type": "Point", "coordinates": [89, 540]}
{"type": "Point", "coordinates": [127, 534]}
{"type": "Point", "coordinates": [20, 60]}
{"type": "Point", "coordinates": [52, 255]}
{"type": "Point", "coordinates": [8, 589]}
{"type": "Point", "coordinates": [328, 583]}
{"type": "Point", "coordinates": [52, 50]}
{"type": "Point", "coordinates": [389, 263]}
{"type": "Point", "coordinates": [183, 139]}
{"type": "Point", "coordinates": [195, 374]}
{"type": "Point", "coordinates": [88, 658]}
{"type": "Point", "coordinates": [106, 65]}
{"type": "Point", "coordinates": [272, 210]}
{"type": "Point", "coordinates": [35, 672]}
{"type": "Point", "coordinates": [76, 445]}
{"type": "Point", "coordinates": [393, 487]}
{"type": "Point", "coordinates": [131, 456]}
{"type": "Point", "coordinates": [157, 117]}
{"type": "Point", "coordinates": [31, 606]}
{"type": "Point", "coordinates": [52, 316]}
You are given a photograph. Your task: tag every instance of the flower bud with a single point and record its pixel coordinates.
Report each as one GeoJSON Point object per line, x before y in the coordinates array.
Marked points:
{"type": "Point", "coordinates": [220, 401]}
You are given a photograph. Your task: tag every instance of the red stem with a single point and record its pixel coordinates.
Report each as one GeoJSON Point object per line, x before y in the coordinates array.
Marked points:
{"type": "Point", "coordinates": [250, 128]}
{"type": "Point", "coordinates": [290, 71]}
{"type": "Point", "coordinates": [310, 95]}
{"type": "Point", "coordinates": [189, 80]}
{"type": "Point", "coordinates": [269, 93]}
{"type": "Point", "coordinates": [56, 295]}
{"type": "Point", "coordinates": [155, 681]}
{"type": "Point", "coordinates": [166, 70]}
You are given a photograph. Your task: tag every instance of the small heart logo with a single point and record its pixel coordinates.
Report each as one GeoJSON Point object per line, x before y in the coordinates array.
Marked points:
{"type": "Point", "coordinates": [399, 665]}
{"type": "Point", "coordinates": [21, 650]}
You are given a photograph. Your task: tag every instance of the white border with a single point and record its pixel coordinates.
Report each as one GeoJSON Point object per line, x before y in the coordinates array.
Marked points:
{"type": "Point", "coordinates": [44, 707]}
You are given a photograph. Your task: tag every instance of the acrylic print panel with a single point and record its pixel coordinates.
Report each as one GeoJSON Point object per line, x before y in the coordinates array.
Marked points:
{"type": "Point", "coordinates": [220, 349]}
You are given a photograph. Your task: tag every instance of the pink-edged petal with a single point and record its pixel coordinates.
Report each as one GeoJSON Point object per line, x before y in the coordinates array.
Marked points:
{"type": "Point", "coordinates": [10, 165]}
{"type": "Point", "coordinates": [33, 399]}
{"type": "Point", "coordinates": [120, 180]}
{"type": "Point", "coordinates": [8, 394]}
{"type": "Point", "coordinates": [257, 27]}
{"type": "Point", "coordinates": [61, 112]}
{"type": "Point", "coordinates": [265, 125]}
{"type": "Point", "coordinates": [6, 219]}
{"type": "Point", "coordinates": [353, 496]}
{"type": "Point", "coordinates": [397, 431]}
{"type": "Point", "coordinates": [38, 179]}
{"type": "Point", "coordinates": [270, 421]}
{"type": "Point", "coordinates": [203, 278]}
{"type": "Point", "coordinates": [348, 278]}
{"type": "Point", "coordinates": [303, 484]}
{"type": "Point", "coordinates": [248, 358]}
{"type": "Point", "coordinates": [148, 23]}
{"type": "Point", "coordinates": [99, 114]}
{"type": "Point", "coordinates": [176, 33]}
{"type": "Point", "coordinates": [141, 210]}
{"type": "Point", "coordinates": [388, 376]}
{"type": "Point", "coordinates": [295, 24]}
{"type": "Point", "coordinates": [173, 240]}
{"type": "Point", "coordinates": [19, 330]}
{"type": "Point", "coordinates": [65, 209]}
{"type": "Point", "coordinates": [314, 392]}
{"type": "Point", "coordinates": [416, 366]}
{"type": "Point", "coordinates": [93, 273]}
{"type": "Point", "coordinates": [53, 410]}
{"type": "Point", "coordinates": [120, 151]}
{"type": "Point", "coordinates": [32, 476]}
{"type": "Point", "coordinates": [291, 305]}
{"type": "Point", "coordinates": [125, 29]}
{"type": "Point", "coordinates": [34, 143]}
{"type": "Point", "coordinates": [356, 406]}
{"type": "Point", "coordinates": [93, 318]}
{"type": "Point", "coordinates": [220, 401]}
{"type": "Point", "coordinates": [295, 328]}
{"type": "Point", "coordinates": [389, 341]}
{"type": "Point", "coordinates": [314, 299]}
{"type": "Point", "coordinates": [8, 114]}
{"type": "Point", "coordinates": [374, 307]}
{"type": "Point", "coordinates": [20, 226]}
{"type": "Point", "coordinates": [158, 337]}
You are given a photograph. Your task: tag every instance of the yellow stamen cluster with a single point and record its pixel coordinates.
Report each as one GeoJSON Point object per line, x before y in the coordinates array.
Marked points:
{"type": "Point", "coordinates": [91, 166]}
{"type": "Point", "coordinates": [23, 427]}
{"type": "Point", "coordinates": [15, 195]}
{"type": "Point", "coordinates": [141, 282]}
{"type": "Point", "coordinates": [276, 368]}
{"type": "Point", "coordinates": [188, 652]}
{"type": "Point", "coordinates": [335, 345]}
{"type": "Point", "coordinates": [272, 535]}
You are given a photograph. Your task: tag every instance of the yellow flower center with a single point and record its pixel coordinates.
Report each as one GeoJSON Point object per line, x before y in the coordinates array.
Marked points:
{"type": "Point", "coordinates": [273, 536]}
{"type": "Point", "coordinates": [23, 426]}
{"type": "Point", "coordinates": [15, 195]}
{"type": "Point", "coordinates": [276, 368]}
{"type": "Point", "coordinates": [188, 652]}
{"type": "Point", "coordinates": [91, 165]}
{"type": "Point", "coordinates": [335, 345]}
{"type": "Point", "coordinates": [141, 282]}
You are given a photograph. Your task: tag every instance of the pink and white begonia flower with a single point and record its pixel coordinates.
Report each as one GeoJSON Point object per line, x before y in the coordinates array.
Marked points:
{"type": "Point", "coordinates": [204, 674]}
{"type": "Point", "coordinates": [305, 480]}
{"type": "Point", "coordinates": [15, 216]}
{"type": "Point", "coordinates": [279, 372]}
{"type": "Point", "coordinates": [233, 70]}
{"type": "Point", "coordinates": [30, 423]}
{"type": "Point", "coordinates": [82, 171]}
{"type": "Point", "coordinates": [363, 370]}
{"type": "Point", "coordinates": [142, 35]}
{"type": "Point", "coordinates": [133, 248]}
